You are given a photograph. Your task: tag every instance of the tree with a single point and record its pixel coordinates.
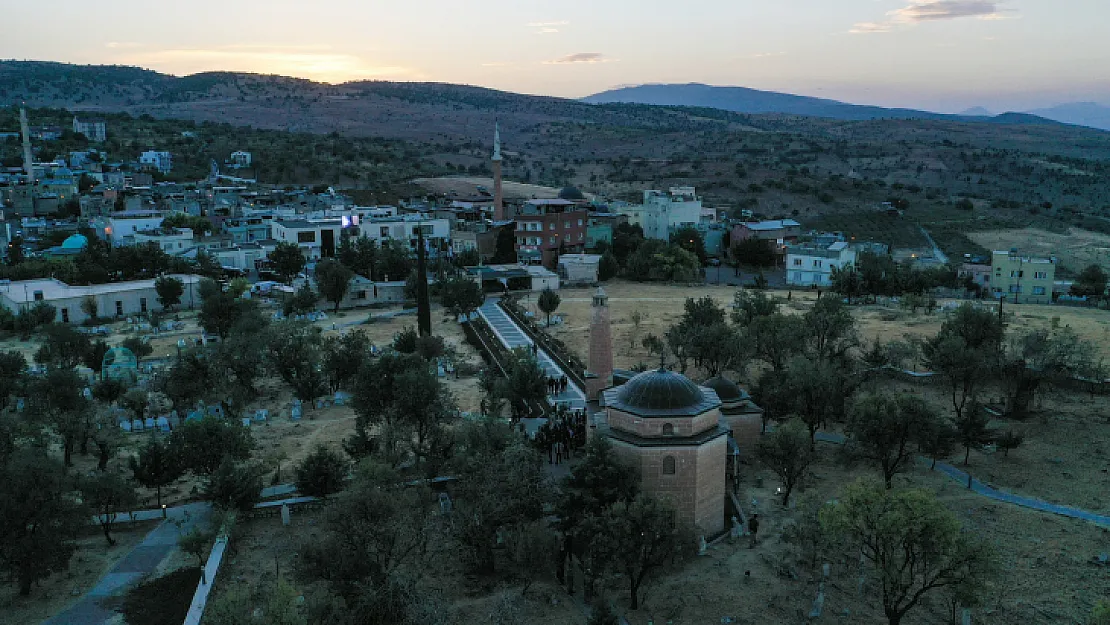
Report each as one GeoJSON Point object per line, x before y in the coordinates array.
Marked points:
{"type": "Point", "coordinates": [607, 267]}
{"type": "Point", "coordinates": [832, 330]}
{"type": "Point", "coordinates": [787, 452]}
{"type": "Point", "coordinates": [377, 390]}
{"type": "Point", "coordinates": [287, 261]}
{"type": "Point", "coordinates": [157, 465]}
{"type": "Point", "coordinates": [333, 279]}
{"type": "Point", "coordinates": [461, 295]}
{"type": "Point", "coordinates": [530, 549]}
{"type": "Point", "coordinates": [302, 302]}
{"type": "Point", "coordinates": [754, 252]}
{"type": "Point", "coordinates": [169, 291]}
{"type": "Point", "coordinates": [236, 607]}
{"type": "Point", "coordinates": [974, 429]}
{"type": "Point", "coordinates": [637, 317]}
{"type": "Point", "coordinates": [39, 519]}
{"type": "Point", "coordinates": [690, 239]}
{"type": "Point", "coordinates": [104, 432]}
{"type": "Point", "coordinates": [525, 382]}
{"type": "Point", "coordinates": [196, 542]}
{"type": "Point", "coordinates": [965, 352]}
{"type": "Point", "coordinates": [747, 306]}
{"type": "Point", "coordinates": [13, 368]}
{"type": "Point", "coordinates": [343, 356]}
{"type": "Point", "coordinates": [504, 251]}
{"type": "Point", "coordinates": [548, 302]}
{"type": "Point", "coordinates": [220, 311]}
{"type": "Point", "coordinates": [883, 429]}
{"type": "Point", "coordinates": [321, 473]}
{"type": "Point", "coordinates": [94, 356]}
{"type": "Point", "coordinates": [716, 348]}
{"type": "Point", "coordinates": [108, 494]}
{"type": "Point", "coordinates": [938, 439]}
{"type": "Point", "coordinates": [138, 346]}
{"type": "Point", "coordinates": [776, 338]}
{"type": "Point", "coordinates": [1100, 614]}
{"type": "Point", "coordinates": [846, 281]}
{"type": "Point", "coordinates": [1091, 282]}
{"type": "Point", "coordinates": [294, 353]}
{"type": "Point", "coordinates": [423, 306]}
{"type": "Point", "coordinates": [62, 346]}
{"type": "Point", "coordinates": [641, 537]}
{"type": "Point", "coordinates": [1041, 357]}
{"type": "Point", "coordinates": [1010, 439]}
{"type": "Point", "coordinates": [56, 399]}
{"type": "Point", "coordinates": [90, 307]}
{"type": "Point", "coordinates": [203, 443]}
{"type": "Point", "coordinates": [914, 543]}
{"type": "Point", "coordinates": [234, 485]}
{"type": "Point", "coordinates": [499, 489]}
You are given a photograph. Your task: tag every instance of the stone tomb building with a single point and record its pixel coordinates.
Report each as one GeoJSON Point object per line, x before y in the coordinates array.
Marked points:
{"type": "Point", "coordinates": [670, 430]}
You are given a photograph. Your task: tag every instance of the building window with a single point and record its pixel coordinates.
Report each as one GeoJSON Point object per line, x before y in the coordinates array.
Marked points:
{"type": "Point", "coordinates": [668, 465]}
{"type": "Point", "coordinates": [306, 237]}
{"type": "Point", "coordinates": [551, 226]}
{"type": "Point", "coordinates": [360, 295]}
{"type": "Point", "coordinates": [1015, 288]}
{"type": "Point", "coordinates": [119, 308]}
{"type": "Point", "coordinates": [797, 276]}
{"type": "Point", "coordinates": [817, 264]}
{"type": "Point", "coordinates": [142, 304]}
{"type": "Point", "coordinates": [383, 232]}
{"type": "Point", "coordinates": [579, 223]}
{"type": "Point", "coordinates": [1038, 290]}
{"type": "Point", "coordinates": [566, 225]}
{"type": "Point", "coordinates": [1040, 275]}
{"type": "Point", "coordinates": [668, 429]}
{"type": "Point", "coordinates": [65, 315]}
{"type": "Point", "coordinates": [38, 296]}
{"type": "Point", "coordinates": [551, 240]}
{"type": "Point", "coordinates": [797, 262]}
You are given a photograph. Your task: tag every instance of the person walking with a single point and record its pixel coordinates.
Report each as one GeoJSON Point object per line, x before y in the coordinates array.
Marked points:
{"type": "Point", "coordinates": [753, 530]}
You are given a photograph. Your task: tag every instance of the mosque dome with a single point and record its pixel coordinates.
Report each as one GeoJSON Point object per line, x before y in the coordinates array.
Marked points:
{"type": "Point", "coordinates": [727, 390]}
{"type": "Point", "coordinates": [75, 242]}
{"type": "Point", "coordinates": [661, 392]}
{"type": "Point", "coordinates": [571, 193]}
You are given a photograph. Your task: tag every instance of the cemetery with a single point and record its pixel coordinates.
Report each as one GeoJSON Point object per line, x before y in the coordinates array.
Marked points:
{"type": "Point", "coordinates": [436, 459]}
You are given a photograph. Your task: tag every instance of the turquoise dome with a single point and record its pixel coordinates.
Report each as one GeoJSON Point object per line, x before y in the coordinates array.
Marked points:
{"type": "Point", "coordinates": [75, 242]}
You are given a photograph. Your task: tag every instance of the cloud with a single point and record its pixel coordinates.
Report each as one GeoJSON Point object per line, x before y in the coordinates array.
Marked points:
{"type": "Point", "coordinates": [580, 57]}
{"type": "Point", "coordinates": [766, 55]}
{"type": "Point", "coordinates": [547, 28]}
{"type": "Point", "coordinates": [119, 45]}
{"type": "Point", "coordinates": [922, 11]}
{"type": "Point", "coordinates": [498, 64]}
{"type": "Point", "coordinates": [934, 10]}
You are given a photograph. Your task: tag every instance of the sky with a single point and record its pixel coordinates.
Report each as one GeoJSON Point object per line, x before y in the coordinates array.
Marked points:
{"type": "Point", "coordinates": [942, 55]}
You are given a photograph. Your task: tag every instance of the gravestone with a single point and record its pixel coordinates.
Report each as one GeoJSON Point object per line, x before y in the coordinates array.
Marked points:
{"type": "Point", "coordinates": [148, 423]}
{"type": "Point", "coordinates": [163, 424]}
{"type": "Point", "coordinates": [295, 412]}
{"type": "Point", "coordinates": [285, 514]}
{"type": "Point", "coordinates": [125, 426]}
{"type": "Point", "coordinates": [702, 546]}
{"type": "Point", "coordinates": [246, 422]}
{"type": "Point", "coordinates": [137, 425]}
{"type": "Point", "coordinates": [261, 414]}
{"type": "Point", "coordinates": [444, 504]}
{"type": "Point", "coordinates": [87, 393]}
{"type": "Point", "coordinates": [195, 415]}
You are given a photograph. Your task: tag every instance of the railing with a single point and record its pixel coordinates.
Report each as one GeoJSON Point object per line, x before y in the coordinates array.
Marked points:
{"type": "Point", "coordinates": [482, 337]}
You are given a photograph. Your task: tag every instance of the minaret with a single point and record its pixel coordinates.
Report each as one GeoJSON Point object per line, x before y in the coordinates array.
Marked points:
{"type": "Point", "coordinates": [28, 158]}
{"type": "Point", "coordinates": [495, 163]}
{"type": "Point", "coordinates": [600, 373]}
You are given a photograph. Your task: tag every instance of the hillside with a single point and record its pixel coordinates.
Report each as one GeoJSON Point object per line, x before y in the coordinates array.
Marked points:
{"type": "Point", "coordinates": [1081, 113]}
{"type": "Point", "coordinates": [1017, 170]}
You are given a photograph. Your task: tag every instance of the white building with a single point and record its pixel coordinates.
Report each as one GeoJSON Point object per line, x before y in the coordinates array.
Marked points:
{"type": "Point", "coordinates": [579, 268]}
{"type": "Point", "coordinates": [162, 161]}
{"type": "Point", "coordinates": [405, 227]}
{"type": "Point", "coordinates": [94, 129]}
{"type": "Point", "coordinates": [661, 213]}
{"type": "Point", "coordinates": [116, 299]}
{"type": "Point", "coordinates": [812, 265]}
{"type": "Point", "coordinates": [172, 241]}
{"type": "Point", "coordinates": [120, 228]}
{"type": "Point", "coordinates": [241, 159]}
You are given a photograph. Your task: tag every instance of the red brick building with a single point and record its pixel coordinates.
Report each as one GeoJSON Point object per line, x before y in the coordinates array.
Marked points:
{"type": "Point", "coordinates": [544, 228]}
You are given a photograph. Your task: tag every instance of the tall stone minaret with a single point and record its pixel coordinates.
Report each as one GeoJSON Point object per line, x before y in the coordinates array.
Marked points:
{"type": "Point", "coordinates": [28, 157]}
{"type": "Point", "coordinates": [600, 373]}
{"type": "Point", "coordinates": [495, 162]}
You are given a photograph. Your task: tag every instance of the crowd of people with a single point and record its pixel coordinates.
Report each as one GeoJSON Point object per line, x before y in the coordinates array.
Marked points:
{"type": "Point", "coordinates": [564, 432]}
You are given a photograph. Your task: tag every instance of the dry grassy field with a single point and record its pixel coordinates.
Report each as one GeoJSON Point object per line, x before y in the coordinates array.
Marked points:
{"type": "Point", "coordinates": [1076, 249]}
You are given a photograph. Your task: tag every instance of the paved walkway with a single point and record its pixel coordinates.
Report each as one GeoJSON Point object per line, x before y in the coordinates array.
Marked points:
{"type": "Point", "coordinates": [141, 561]}
{"type": "Point", "coordinates": [993, 493]}
{"type": "Point", "coordinates": [512, 337]}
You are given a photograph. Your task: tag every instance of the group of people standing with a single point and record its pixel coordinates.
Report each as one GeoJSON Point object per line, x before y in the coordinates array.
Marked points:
{"type": "Point", "coordinates": [564, 432]}
{"type": "Point", "coordinates": [557, 386]}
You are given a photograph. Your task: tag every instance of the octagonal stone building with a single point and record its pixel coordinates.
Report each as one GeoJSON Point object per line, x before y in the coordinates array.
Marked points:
{"type": "Point", "coordinates": [670, 430]}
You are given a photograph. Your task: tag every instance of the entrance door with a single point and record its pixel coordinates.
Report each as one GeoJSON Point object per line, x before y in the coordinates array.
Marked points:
{"type": "Point", "coordinates": [327, 243]}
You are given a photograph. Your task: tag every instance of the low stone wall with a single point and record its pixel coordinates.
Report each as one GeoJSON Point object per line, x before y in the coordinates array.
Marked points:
{"type": "Point", "coordinates": [208, 577]}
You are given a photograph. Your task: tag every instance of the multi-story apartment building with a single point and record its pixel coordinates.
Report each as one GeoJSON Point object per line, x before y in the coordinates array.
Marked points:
{"type": "Point", "coordinates": [812, 264]}
{"type": "Point", "coordinates": [544, 228]}
{"type": "Point", "coordinates": [94, 129]}
{"type": "Point", "coordinates": [161, 161]}
{"type": "Point", "coordinates": [1022, 279]}
{"type": "Point", "coordinates": [661, 213]}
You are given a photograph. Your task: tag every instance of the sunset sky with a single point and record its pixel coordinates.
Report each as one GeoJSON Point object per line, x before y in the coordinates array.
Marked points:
{"type": "Point", "coordinates": [943, 55]}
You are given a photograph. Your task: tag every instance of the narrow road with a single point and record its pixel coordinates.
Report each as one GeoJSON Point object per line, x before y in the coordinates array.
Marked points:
{"type": "Point", "coordinates": [512, 337]}
{"type": "Point", "coordinates": [941, 256]}
{"type": "Point", "coordinates": [990, 492]}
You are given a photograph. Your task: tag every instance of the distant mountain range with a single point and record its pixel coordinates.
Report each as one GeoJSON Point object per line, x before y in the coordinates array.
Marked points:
{"type": "Point", "coordinates": [753, 101]}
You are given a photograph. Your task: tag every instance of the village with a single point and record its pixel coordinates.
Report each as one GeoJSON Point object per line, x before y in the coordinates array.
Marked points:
{"type": "Point", "coordinates": [508, 403]}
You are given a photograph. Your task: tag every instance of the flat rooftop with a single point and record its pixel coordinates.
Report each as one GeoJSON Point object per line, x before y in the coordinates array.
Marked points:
{"type": "Point", "coordinates": [23, 291]}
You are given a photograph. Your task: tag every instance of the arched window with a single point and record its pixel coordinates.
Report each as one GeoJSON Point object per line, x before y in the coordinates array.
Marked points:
{"type": "Point", "coordinates": [668, 429]}
{"type": "Point", "coordinates": [668, 465]}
